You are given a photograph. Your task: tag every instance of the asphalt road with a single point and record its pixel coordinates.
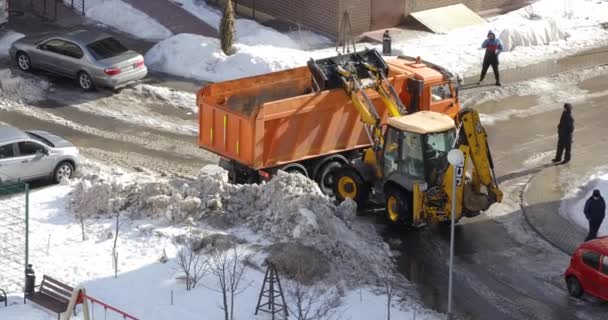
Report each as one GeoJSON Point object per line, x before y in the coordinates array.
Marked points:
{"type": "Point", "coordinates": [503, 269]}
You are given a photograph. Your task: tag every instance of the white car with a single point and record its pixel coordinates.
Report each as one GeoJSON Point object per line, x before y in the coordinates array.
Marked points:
{"type": "Point", "coordinates": [33, 155]}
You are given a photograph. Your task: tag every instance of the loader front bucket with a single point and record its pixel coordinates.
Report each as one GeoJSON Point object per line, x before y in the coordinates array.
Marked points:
{"type": "Point", "coordinates": [324, 71]}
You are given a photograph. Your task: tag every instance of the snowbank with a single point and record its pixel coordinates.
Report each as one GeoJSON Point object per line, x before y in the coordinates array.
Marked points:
{"type": "Point", "coordinates": [534, 33]}
{"type": "Point", "coordinates": [199, 57]}
{"type": "Point", "coordinates": [179, 99]}
{"type": "Point", "coordinates": [7, 40]}
{"type": "Point", "coordinates": [289, 208]}
{"type": "Point", "coordinates": [21, 89]}
{"type": "Point", "coordinates": [122, 16]}
{"type": "Point", "coordinates": [575, 209]}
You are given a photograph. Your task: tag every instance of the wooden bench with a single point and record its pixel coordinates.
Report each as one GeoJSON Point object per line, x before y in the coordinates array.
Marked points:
{"type": "Point", "coordinates": [52, 294]}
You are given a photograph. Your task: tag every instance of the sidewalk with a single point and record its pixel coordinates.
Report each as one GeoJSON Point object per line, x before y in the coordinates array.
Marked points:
{"type": "Point", "coordinates": [173, 17]}
{"type": "Point", "coordinates": [542, 196]}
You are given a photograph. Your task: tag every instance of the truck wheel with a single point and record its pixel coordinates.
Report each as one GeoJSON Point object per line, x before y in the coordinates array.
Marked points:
{"type": "Point", "coordinates": [574, 287]}
{"type": "Point", "coordinates": [348, 184]}
{"type": "Point", "coordinates": [326, 176]}
{"type": "Point", "coordinates": [295, 168]}
{"type": "Point", "coordinates": [398, 211]}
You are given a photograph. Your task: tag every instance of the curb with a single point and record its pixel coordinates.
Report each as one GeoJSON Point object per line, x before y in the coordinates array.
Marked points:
{"type": "Point", "coordinates": [548, 224]}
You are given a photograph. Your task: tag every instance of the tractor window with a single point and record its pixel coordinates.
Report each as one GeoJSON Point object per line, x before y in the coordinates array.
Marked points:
{"type": "Point", "coordinates": [592, 259]}
{"type": "Point", "coordinates": [605, 265]}
{"type": "Point", "coordinates": [440, 92]}
{"type": "Point", "coordinates": [391, 151]}
{"type": "Point", "coordinates": [411, 157]}
{"type": "Point", "coordinates": [436, 148]}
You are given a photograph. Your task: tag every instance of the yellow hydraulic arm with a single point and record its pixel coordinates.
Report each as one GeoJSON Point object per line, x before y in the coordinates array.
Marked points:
{"type": "Point", "coordinates": [472, 140]}
{"type": "Point", "coordinates": [355, 89]}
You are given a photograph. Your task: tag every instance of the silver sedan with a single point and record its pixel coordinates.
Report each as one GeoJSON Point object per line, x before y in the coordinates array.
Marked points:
{"type": "Point", "coordinates": [92, 58]}
{"type": "Point", "coordinates": [32, 155]}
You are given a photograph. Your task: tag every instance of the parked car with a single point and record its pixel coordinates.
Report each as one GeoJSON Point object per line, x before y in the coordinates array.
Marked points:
{"type": "Point", "coordinates": [92, 58]}
{"type": "Point", "coordinates": [33, 155]}
{"type": "Point", "coordinates": [588, 270]}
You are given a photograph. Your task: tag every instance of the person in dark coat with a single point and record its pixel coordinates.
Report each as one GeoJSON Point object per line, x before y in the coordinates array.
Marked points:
{"type": "Point", "coordinates": [565, 128]}
{"type": "Point", "coordinates": [493, 48]}
{"type": "Point", "coordinates": [595, 210]}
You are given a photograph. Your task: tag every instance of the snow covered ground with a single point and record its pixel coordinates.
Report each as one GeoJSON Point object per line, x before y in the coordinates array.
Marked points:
{"type": "Point", "coordinates": [122, 16]}
{"type": "Point", "coordinates": [156, 213]}
{"type": "Point", "coordinates": [7, 40]}
{"type": "Point", "coordinates": [551, 29]}
{"type": "Point", "coordinates": [574, 204]}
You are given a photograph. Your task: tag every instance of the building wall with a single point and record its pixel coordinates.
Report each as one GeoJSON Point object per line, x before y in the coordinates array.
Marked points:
{"type": "Point", "coordinates": [324, 16]}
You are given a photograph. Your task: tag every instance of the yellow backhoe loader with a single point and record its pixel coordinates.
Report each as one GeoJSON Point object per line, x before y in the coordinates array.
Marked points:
{"type": "Point", "coordinates": [406, 167]}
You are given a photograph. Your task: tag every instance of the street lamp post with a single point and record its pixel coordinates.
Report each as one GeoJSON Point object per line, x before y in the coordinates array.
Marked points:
{"type": "Point", "coordinates": [456, 159]}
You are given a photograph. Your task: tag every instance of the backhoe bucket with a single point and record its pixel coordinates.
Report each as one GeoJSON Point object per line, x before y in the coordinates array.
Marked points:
{"type": "Point", "coordinates": [326, 76]}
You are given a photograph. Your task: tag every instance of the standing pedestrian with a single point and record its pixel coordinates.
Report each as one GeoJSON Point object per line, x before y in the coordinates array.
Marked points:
{"type": "Point", "coordinates": [493, 48]}
{"type": "Point", "coordinates": [595, 210]}
{"type": "Point", "coordinates": [565, 128]}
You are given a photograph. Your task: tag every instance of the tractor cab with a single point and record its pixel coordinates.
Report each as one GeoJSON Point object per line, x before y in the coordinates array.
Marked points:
{"type": "Point", "coordinates": [416, 148]}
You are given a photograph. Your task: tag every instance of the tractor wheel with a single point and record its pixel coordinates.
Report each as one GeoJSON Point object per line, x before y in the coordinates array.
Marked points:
{"type": "Point", "coordinates": [348, 184]}
{"type": "Point", "coordinates": [398, 211]}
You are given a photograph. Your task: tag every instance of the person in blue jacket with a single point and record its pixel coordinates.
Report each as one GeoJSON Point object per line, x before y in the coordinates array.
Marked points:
{"type": "Point", "coordinates": [493, 48]}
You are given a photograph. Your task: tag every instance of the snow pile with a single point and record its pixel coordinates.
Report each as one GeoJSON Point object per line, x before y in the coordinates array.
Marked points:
{"type": "Point", "coordinates": [7, 40]}
{"type": "Point", "coordinates": [289, 208]}
{"type": "Point", "coordinates": [178, 99]}
{"type": "Point", "coordinates": [199, 57]}
{"type": "Point", "coordinates": [122, 16]}
{"type": "Point", "coordinates": [20, 89]}
{"type": "Point", "coordinates": [574, 209]}
{"type": "Point", "coordinates": [533, 33]}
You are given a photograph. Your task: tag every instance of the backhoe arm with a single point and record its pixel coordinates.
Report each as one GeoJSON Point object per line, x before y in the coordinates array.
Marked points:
{"type": "Point", "coordinates": [472, 136]}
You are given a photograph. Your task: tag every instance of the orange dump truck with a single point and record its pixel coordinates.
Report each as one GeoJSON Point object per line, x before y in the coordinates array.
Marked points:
{"type": "Point", "coordinates": [277, 121]}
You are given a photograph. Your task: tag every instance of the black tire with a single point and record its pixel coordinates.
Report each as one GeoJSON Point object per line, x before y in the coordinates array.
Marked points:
{"type": "Point", "coordinates": [63, 169]}
{"type": "Point", "coordinates": [574, 287]}
{"type": "Point", "coordinates": [326, 176]}
{"type": "Point", "coordinates": [398, 209]}
{"type": "Point", "coordinates": [24, 62]}
{"type": "Point", "coordinates": [349, 184]}
{"type": "Point", "coordinates": [295, 168]}
{"type": "Point", "coordinates": [85, 82]}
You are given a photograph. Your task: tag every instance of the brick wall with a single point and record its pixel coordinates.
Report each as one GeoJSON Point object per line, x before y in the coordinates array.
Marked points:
{"type": "Point", "coordinates": [324, 16]}
{"type": "Point", "coordinates": [318, 15]}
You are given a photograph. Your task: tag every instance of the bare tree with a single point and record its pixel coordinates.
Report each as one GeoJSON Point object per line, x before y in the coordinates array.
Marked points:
{"type": "Point", "coordinates": [312, 302]}
{"type": "Point", "coordinates": [192, 264]}
{"type": "Point", "coordinates": [390, 285]}
{"type": "Point", "coordinates": [81, 219]}
{"type": "Point", "coordinates": [227, 28]}
{"type": "Point", "coordinates": [229, 270]}
{"type": "Point", "coordinates": [114, 251]}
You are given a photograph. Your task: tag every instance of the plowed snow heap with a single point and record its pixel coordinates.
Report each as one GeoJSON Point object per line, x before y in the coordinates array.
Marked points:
{"type": "Point", "coordinates": [289, 210]}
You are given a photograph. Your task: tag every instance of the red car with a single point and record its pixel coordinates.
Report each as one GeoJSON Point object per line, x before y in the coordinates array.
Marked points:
{"type": "Point", "coordinates": [588, 270]}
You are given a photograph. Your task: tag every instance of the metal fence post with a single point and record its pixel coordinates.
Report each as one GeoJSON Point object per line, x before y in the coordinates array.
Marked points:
{"type": "Point", "coordinates": [27, 224]}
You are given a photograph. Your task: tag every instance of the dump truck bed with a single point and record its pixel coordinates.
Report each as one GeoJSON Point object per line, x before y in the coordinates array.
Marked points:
{"type": "Point", "coordinates": [274, 119]}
